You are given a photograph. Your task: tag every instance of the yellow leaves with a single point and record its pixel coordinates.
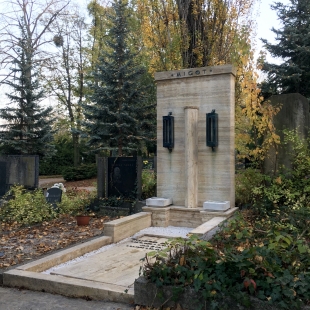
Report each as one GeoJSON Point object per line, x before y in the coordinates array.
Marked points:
{"type": "Point", "coordinates": [182, 260]}
{"type": "Point", "coordinates": [240, 248]}
{"type": "Point", "coordinates": [278, 180]}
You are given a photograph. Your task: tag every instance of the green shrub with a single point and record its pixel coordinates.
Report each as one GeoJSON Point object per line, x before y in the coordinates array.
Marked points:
{"type": "Point", "coordinates": [237, 263]}
{"type": "Point", "coordinates": [85, 171]}
{"type": "Point", "coordinates": [289, 191]}
{"type": "Point", "coordinates": [263, 252]}
{"type": "Point", "coordinates": [290, 188]}
{"type": "Point", "coordinates": [76, 202]}
{"type": "Point", "coordinates": [26, 208]}
{"type": "Point", "coordinates": [64, 156]}
{"type": "Point", "coordinates": [246, 180]}
{"type": "Point", "coordinates": [148, 183]}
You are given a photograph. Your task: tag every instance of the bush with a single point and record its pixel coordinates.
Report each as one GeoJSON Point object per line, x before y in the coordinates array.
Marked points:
{"type": "Point", "coordinates": [246, 180]}
{"type": "Point", "coordinates": [26, 208]}
{"type": "Point", "coordinates": [77, 202]}
{"type": "Point", "coordinates": [237, 263]}
{"type": "Point", "coordinates": [289, 188]}
{"type": "Point", "coordinates": [263, 252]}
{"type": "Point", "coordinates": [148, 184]}
{"type": "Point", "coordinates": [63, 157]}
{"type": "Point", "coordinates": [289, 191]}
{"type": "Point", "coordinates": [81, 172]}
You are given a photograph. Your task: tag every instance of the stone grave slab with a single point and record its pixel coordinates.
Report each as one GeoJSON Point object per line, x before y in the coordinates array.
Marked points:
{"type": "Point", "coordinates": [119, 265]}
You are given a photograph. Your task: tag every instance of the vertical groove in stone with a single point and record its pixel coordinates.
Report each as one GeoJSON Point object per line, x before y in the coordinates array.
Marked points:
{"type": "Point", "coordinates": [191, 156]}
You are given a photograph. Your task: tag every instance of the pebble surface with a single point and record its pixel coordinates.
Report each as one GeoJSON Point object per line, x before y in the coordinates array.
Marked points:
{"type": "Point", "coordinates": [169, 231]}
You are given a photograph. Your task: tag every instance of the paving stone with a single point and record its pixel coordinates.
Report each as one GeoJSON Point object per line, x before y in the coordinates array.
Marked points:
{"type": "Point", "coordinates": [15, 299]}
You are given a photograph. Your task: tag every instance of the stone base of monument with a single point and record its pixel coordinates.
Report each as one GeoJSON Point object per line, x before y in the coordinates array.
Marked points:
{"type": "Point", "coordinates": [211, 205]}
{"type": "Point", "coordinates": [158, 202]}
{"type": "Point", "coordinates": [179, 216]}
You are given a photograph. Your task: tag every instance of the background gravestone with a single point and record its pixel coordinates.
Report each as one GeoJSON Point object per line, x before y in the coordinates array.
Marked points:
{"type": "Point", "coordinates": [53, 196]}
{"type": "Point", "coordinates": [23, 170]}
{"type": "Point", "coordinates": [294, 115]}
{"type": "Point", "coordinates": [18, 169]}
{"type": "Point", "coordinates": [119, 176]}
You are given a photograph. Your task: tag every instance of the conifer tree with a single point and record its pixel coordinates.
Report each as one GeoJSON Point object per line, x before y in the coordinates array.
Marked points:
{"type": "Point", "coordinates": [119, 115]}
{"type": "Point", "coordinates": [27, 125]}
{"type": "Point", "coordinates": [293, 46]}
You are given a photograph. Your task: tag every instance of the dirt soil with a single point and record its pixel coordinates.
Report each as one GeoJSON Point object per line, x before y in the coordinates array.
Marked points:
{"type": "Point", "coordinates": [21, 244]}
{"type": "Point", "coordinates": [18, 245]}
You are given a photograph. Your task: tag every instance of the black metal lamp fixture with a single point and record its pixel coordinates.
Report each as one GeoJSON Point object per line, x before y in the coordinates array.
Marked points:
{"type": "Point", "coordinates": [168, 131]}
{"type": "Point", "coordinates": [212, 129]}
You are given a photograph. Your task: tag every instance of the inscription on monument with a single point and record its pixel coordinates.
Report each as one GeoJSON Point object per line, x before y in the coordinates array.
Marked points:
{"type": "Point", "coordinates": [190, 73]}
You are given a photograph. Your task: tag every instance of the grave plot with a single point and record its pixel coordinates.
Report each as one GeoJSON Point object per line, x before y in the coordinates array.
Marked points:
{"type": "Point", "coordinates": [119, 265]}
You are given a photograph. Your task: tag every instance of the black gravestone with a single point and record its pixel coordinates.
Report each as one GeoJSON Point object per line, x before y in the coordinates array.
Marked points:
{"type": "Point", "coordinates": [122, 177]}
{"type": "Point", "coordinates": [3, 186]}
{"type": "Point", "coordinates": [53, 196]}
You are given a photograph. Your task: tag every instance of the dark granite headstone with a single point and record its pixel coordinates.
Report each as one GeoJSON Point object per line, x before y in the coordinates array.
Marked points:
{"type": "Point", "coordinates": [124, 177]}
{"type": "Point", "coordinates": [53, 196]}
{"type": "Point", "coordinates": [119, 176]}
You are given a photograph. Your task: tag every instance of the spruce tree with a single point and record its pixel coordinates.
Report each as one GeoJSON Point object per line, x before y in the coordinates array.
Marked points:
{"type": "Point", "coordinates": [118, 117]}
{"type": "Point", "coordinates": [293, 46]}
{"type": "Point", "coordinates": [27, 125]}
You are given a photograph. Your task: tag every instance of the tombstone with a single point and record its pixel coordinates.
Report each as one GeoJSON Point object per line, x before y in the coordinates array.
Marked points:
{"type": "Point", "coordinates": [119, 177]}
{"type": "Point", "coordinates": [293, 115]}
{"type": "Point", "coordinates": [18, 169]}
{"type": "Point", "coordinates": [53, 196]}
{"type": "Point", "coordinates": [23, 170]}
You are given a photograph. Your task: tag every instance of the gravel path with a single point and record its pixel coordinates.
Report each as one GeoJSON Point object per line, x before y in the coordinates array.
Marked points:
{"type": "Point", "coordinates": [50, 181]}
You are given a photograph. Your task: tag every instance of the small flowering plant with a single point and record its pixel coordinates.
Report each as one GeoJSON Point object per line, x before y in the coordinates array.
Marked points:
{"type": "Point", "coordinates": [60, 186]}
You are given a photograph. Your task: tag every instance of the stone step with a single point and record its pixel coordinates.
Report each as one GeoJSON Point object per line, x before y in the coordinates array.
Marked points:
{"type": "Point", "coordinates": [209, 228]}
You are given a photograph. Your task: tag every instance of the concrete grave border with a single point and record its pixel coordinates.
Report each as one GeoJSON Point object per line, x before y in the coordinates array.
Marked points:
{"type": "Point", "coordinates": [29, 275]}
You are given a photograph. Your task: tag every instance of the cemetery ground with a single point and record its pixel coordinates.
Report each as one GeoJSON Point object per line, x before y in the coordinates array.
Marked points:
{"type": "Point", "coordinates": [263, 252]}
{"type": "Point", "coordinates": [21, 244]}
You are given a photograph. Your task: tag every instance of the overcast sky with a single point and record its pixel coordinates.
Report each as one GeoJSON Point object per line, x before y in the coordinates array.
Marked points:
{"type": "Point", "coordinates": [267, 19]}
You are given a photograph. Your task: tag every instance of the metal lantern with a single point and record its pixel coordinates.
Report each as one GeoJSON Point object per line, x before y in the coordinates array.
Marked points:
{"type": "Point", "coordinates": [212, 129]}
{"type": "Point", "coordinates": [168, 131]}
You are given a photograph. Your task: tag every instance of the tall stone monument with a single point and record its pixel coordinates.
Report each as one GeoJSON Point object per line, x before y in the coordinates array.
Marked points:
{"type": "Point", "coordinates": [191, 172]}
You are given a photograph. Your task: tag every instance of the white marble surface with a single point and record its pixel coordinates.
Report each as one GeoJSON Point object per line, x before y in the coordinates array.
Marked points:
{"type": "Point", "coordinates": [216, 205]}
{"type": "Point", "coordinates": [158, 202]}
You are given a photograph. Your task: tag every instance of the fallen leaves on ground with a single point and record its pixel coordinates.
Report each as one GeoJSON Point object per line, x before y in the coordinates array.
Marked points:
{"type": "Point", "coordinates": [18, 245]}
